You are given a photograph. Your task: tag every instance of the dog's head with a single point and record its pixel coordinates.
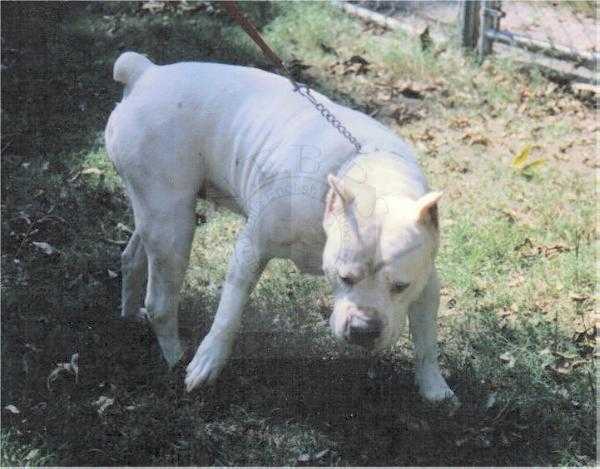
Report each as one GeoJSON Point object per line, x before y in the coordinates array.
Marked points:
{"type": "Point", "coordinates": [378, 257]}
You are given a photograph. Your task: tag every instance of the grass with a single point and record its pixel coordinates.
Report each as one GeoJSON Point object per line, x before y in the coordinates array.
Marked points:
{"type": "Point", "coordinates": [17, 454]}
{"type": "Point", "coordinates": [517, 262]}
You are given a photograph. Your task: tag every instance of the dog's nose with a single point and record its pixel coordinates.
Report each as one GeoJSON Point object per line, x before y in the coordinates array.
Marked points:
{"type": "Point", "coordinates": [363, 330]}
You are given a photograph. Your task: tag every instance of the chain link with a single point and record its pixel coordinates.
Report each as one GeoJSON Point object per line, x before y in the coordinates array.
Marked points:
{"type": "Point", "coordinates": [328, 115]}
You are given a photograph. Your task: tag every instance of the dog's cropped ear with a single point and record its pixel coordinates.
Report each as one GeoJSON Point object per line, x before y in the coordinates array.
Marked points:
{"type": "Point", "coordinates": [339, 195]}
{"type": "Point", "coordinates": [427, 208]}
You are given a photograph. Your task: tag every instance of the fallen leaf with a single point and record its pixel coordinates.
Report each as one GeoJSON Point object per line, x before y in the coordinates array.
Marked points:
{"type": "Point", "coordinates": [404, 114]}
{"type": "Point", "coordinates": [153, 6]}
{"type": "Point", "coordinates": [561, 367]}
{"type": "Point", "coordinates": [511, 215]}
{"type": "Point", "coordinates": [32, 454]}
{"type": "Point", "coordinates": [508, 358]}
{"type": "Point", "coordinates": [357, 59]}
{"type": "Point", "coordinates": [566, 355]}
{"type": "Point", "coordinates": [474, 138]}
{"type": "Point", "coordinates": [426, 136]}
{"type": "Point", "coordinates": [459, 123]}
{"type": "Point", "coordinates": [195, 6]}
{"type": "Point", "coordinates": [578, 297]}
{"type": "Point", "coordinates": [12, 409]}
{"type": "Point", "coordinates": [591, 162]}
{"type": "Point", "coordinates": [327, 49]}
{"type": "Point", "coordinates": [103, 403]}
{"type": "Point", "coordinates": [529, 167]}
{"type": "Point", "coordinates": [45, 247]}
{"type": "Point", "coordinates": [491, 401]}
{"type": "Point", "coordinates": [520, 158]}
{"type": "Point", "coordinates": [354, 65]}
{"type": "Point", "coordinates": [409, 90]}
{"type": "Point", "coordinates": [322, 454]}
{"type": "Point", "coordinates": [516, 280]}
{"type": "Point", "coordinates": [552, 250]}
{"type": "Point", "coordinates": [125, 228]}
{"type": "Point", "coordinates": [70, 368]}
{"type": "Point", "coordinates": [566, 146]}
{"type": "Point", "coordinates": [23, 216]}
{"type": "Point", "coordinates": [92, 170]}
{"type": "Point", "coordinates": [528, 249]}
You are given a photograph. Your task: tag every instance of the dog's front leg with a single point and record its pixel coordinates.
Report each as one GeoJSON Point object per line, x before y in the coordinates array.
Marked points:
{"type": "Point", "coordinates": [423, 328]}
{"type": "Point", "coordinates": [245, 267]}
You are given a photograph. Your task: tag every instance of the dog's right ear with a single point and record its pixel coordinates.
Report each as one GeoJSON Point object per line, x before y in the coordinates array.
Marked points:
{"type": "Point", "coordinates": [338, 197]}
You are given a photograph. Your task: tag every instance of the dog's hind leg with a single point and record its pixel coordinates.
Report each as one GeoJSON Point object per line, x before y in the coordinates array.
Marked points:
{"type": "Point", "coordinates": [166, 229]}
{"type": "Point", "coordinates": [134, 269]}
{"type": "Point", "coordinates": [245, 267]}
{"type": "Point", "coordinates": [423, 328]}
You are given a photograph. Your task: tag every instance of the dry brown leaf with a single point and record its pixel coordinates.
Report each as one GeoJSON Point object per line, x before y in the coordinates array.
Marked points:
{"type": "Point", "coordinates": [528, 249]}
{"type": "Point", "coordinates": [516, 280]}
{"type": "Point", "coordinates": [460, 123]}
{"type": "Point", "coordinates": [578, 297]}
{"type": "Point", "coordinates": [426, 136]}
{"type": "Point", "coordinates": [474, 138]}
{"type": "Point", "coordinates": [591, 162]}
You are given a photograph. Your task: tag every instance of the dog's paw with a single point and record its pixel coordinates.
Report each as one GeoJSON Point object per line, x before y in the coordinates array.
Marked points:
{"type": "Point", "coordinates": [134, 314]}
{"type": "Point", "coordinates": [432, 386]}
{"type": "Point", "coordinates": [208, 362]}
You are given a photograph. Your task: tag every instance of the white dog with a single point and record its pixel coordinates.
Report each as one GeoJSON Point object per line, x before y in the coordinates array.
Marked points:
{"type": "Point", "coordinates": [243, 137]}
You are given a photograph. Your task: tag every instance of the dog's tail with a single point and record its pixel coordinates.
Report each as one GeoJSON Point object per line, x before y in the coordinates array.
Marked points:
{"type": "Point", "coordinates": [129, 67]}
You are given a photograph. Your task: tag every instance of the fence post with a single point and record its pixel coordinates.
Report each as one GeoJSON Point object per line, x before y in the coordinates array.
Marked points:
{"type": "Point", "coordinates": [469, 23]}
{"type": "Point", "coordinates": [490, 19]}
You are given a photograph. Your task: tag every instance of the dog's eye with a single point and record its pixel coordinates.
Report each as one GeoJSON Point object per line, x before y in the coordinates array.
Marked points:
{"type": "Point", "coordinates": [399, 287]}
{"type": "Point", "coordinates": [347, 280]}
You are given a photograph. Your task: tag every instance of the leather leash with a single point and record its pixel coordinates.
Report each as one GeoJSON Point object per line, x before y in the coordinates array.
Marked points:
{"type": "Point", "coordinates": [252, 31]}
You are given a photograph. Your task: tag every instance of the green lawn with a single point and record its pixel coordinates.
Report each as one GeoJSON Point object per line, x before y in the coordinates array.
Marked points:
{"type": "Point", "coordinates": [517, 329]}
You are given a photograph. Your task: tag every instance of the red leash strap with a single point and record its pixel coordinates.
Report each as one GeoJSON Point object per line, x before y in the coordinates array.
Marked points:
{"type": "Point", "coordinates": [252, 31]}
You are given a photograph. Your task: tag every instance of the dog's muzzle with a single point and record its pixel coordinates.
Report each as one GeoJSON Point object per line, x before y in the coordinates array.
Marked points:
{"type": "Point", "coordinates": [363, 327]}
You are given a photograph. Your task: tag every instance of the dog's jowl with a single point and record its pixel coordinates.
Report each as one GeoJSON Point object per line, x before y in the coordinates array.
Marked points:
{"type": "Point", "coordinates": [367, 220]}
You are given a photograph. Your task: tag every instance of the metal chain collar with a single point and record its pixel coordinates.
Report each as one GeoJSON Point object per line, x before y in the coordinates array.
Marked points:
{"type": "Point", "coordinates": [328, 115]}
